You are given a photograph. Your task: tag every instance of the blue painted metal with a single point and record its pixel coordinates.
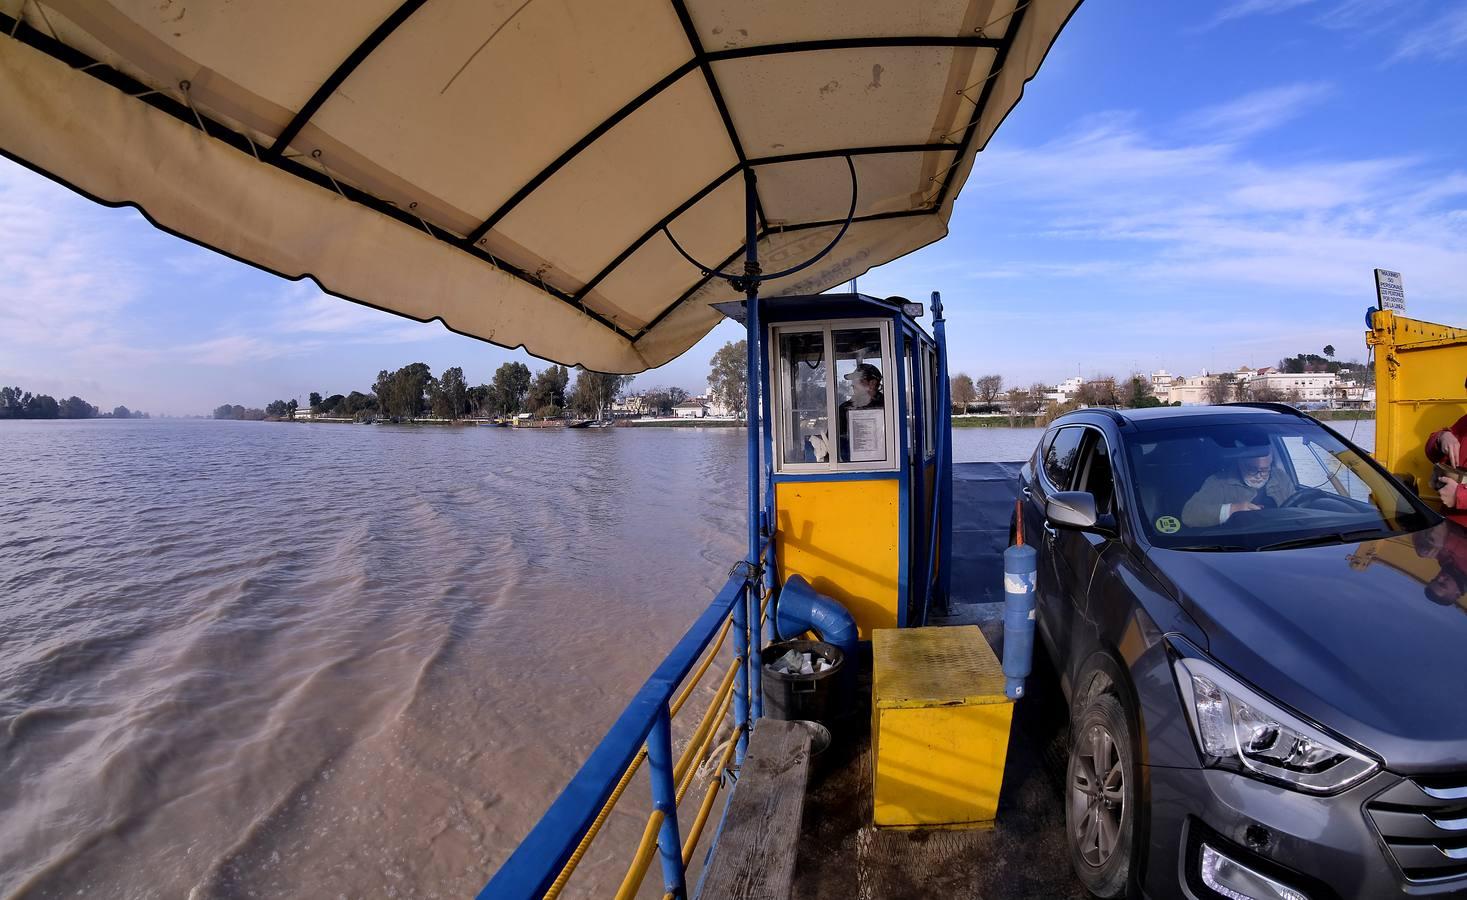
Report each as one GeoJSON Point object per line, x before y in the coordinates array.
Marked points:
{"type": "Point", "coordinates": [664, 798]}
{"type": "Point", "coordinates": [532, 868]}
{"type": "Point", "coordinates": [782, 478]}
{"type": "Point", "coordinates": [939, 546]}
{"type": "Point", "coordinates": [1019, 566]}
{"type": "Point", "coordinates": [753, 380]}
{"type": "Point", "coordinates": [945, 461]}
{"type": "Point", "coordinates": [802, 608]}
{"type": "Point", "coordinates": [904, 477]}
{"type": "Point", "coordinates": [918, 528]}
{"type": "Point", "coordinates": [771, 565]}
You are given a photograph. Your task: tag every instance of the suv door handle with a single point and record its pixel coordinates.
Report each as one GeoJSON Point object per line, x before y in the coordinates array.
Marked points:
{"type": "Point", "coordinates": [1049, 530]}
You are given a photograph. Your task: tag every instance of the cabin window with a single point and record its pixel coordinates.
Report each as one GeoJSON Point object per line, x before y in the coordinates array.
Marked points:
{"type": "Point", "coordinates": [832, 390]}
{"type": "Point", "coordinates": [803, 382]}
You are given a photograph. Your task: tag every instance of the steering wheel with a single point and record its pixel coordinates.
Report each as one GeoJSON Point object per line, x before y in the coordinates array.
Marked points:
{"type": "Point", "coordinates": [1314, 498]}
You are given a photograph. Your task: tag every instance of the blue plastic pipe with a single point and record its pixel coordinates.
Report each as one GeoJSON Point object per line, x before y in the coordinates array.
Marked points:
{"type": "Point", "coordinates": [803, 609]}
{"type": "Point", "coordinates": [1019, 566]}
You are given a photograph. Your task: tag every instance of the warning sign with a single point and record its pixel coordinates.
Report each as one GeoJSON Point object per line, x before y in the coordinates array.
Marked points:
{"type": "Point", "coordinates": [1389, 293]}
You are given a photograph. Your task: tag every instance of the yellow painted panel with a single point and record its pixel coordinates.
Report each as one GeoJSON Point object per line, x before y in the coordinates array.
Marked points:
{"type": "Point", "coordinates": [940, 728]}
{"type": "Point", "coordinates": [844, 538]}
{"type": "Point", "coordinates": [1419, 370]}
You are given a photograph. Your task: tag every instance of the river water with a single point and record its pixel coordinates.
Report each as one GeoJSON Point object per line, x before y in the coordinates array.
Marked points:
{"type": "Point", "coordinates": [244, 659]}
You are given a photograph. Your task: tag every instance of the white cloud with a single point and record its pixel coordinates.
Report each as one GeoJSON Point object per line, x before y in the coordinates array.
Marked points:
{"type": "Point", "coordinates": [1113, 208]}
{"type": "Point", "coordinates": [1240, 9]}
{"type": "Point", "coordinates": [64, 285]}
{"type": "Point", "coordinates": [1256, 112]}
{"type": "Point", "coordinates": [1441, 39]}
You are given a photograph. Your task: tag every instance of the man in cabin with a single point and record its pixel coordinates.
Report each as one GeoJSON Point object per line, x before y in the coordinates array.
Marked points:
{"type": "Point", "coordinates": [1444, 449]}
{"type": "Point", "coordinates": [866, 394]}
{"type": "Point", "coordinates": [1249, 481]}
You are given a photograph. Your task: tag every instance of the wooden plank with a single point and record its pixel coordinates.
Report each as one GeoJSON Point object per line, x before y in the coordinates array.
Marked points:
{"type": "Point", "coordinates": [755, 858]}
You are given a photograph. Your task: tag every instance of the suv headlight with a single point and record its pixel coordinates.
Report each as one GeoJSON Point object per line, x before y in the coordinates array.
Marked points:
{"type": "Point", "coordinates": [1238, 728]}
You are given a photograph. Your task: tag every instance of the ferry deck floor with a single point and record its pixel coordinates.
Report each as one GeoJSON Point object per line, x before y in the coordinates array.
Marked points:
{"type": "Point", "coordinates": [842, 856]}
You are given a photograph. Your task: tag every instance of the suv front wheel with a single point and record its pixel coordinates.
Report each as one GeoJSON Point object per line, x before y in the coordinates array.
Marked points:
{"type": "Point", "coordinates": [1100, 810]}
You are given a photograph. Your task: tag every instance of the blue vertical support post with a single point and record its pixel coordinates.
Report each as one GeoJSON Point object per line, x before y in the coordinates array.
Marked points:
{"type": "Point", "coordinates": [766, 404]}
{"type": "Point", "coordinates": [664, 799]}
{"type": "Point", "coordinates": [751, 308]}
{"type": "Point", "coordinates": [944, 462]}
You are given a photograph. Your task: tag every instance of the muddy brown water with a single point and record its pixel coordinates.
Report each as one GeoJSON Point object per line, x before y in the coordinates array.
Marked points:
{"type": "Point", "coordinates": [261, 660]}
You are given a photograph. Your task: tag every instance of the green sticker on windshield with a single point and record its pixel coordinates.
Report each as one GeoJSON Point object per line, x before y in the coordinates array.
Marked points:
{"type": "Point", "coordinates": [1168, 525]}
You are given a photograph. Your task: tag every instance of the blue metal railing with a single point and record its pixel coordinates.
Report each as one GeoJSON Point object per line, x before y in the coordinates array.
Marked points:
{"type": "Point", "coordinates": [534, 866]}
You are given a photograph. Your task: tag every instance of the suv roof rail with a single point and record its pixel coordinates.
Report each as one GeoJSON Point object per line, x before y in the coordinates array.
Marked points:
{"type": "Point", "coordinates": [1114, 414]}
{"type": "Point", "coordinates": [1276, 407]}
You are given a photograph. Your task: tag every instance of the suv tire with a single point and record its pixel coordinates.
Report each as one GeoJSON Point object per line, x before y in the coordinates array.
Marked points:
{"type": "Point", "coordinates": [1100, 797]}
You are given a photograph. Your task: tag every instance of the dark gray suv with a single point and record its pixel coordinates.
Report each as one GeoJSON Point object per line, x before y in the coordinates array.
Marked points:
{"type": "Point", "coordinates": [1263, 640]}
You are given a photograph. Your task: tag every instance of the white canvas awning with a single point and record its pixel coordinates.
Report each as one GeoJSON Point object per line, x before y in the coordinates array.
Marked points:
{"type": "Point", "coordinates": [515, 167]}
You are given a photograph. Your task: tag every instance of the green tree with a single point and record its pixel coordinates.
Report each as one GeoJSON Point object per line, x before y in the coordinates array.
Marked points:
{"type": "Point", "coordinates": [1137, 393]}
{"type": "Point", "coordinates": [329, 405]}
{"type": "Point", "coordinates": [122, 412]}
{"type": "Point", "coordinates": [547, 392]}
{"type": "Point", "coordinates": [277, 408]}
{"type": "Point", "coordinates": [315, 399]}
{"type": "Point", "coordinates": [728, 379]}
{"type": "Point", "coordinates": [450, 394]}
{"type": "Point", "coordinates": [661, 400]}
{"type": "Point", "coordinates": [964, 392]}
{"type": "Point", "coordinates": [291, 407]}
{"type": "Point", "coordinates": [595, 391]}
{"type": "Point", "coordinates": [74, 407]}
{"type": "Point", "coordinates": [1329, 350]}
{"type": "Point", "coordinates": [401, 394]}
{"type": "Point", "coordinates": [511, 384]}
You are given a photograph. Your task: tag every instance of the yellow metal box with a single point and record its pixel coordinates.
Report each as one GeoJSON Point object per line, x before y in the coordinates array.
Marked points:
{"type": "Point", "coordinates": [939, 729]}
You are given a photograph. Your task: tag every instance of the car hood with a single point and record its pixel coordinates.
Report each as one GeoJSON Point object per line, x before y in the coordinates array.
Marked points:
{"type": "Point", "coordinates": [1346, 634]}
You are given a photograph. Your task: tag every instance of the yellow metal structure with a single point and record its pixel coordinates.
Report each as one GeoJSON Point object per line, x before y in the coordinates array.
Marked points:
{"type": "Point", "coordinates": [940, 728]}
{"type": "Point", "coordinates": [844, 538]}
{"type": "Point", "coordinates": [1419, 389]}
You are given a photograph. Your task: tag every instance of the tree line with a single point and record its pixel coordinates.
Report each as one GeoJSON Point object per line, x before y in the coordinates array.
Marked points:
{"type": "Point", "coordinates": [414, 392]}
{"type": "Point", "coordinates": [18, 404]}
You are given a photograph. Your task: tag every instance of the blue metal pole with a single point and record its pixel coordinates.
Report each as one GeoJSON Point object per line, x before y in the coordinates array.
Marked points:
{"type": "Point", "coordinates": [770, 574]}
{"type": "Point", "coordinates": [664, 798]}
{"type": "Point", "coordinates": [751, 306]}
{"type": "Point", "coordinates": [944, 456]}
{"type": "Point", "coordinates": [1019, 567]}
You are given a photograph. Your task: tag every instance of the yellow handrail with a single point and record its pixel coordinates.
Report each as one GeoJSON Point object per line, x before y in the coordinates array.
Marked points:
{"type": "Point", "coordinates": [626, 778]}
{"type": "Point", "coordinates": [642, 859]}
{"type": "Point", "coordinates": [695, 831]}
{"type": "Point", "coordinates": [687, 779]}
{"type": "Point", "coordinates": [724, 690]}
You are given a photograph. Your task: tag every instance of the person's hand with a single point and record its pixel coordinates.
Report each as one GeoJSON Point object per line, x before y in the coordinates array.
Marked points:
{"type": "Point", "coordinates": [1450, 447]}
{"type": "Point", "coordinates": [1448, 493]}
{"type": "Point", "coordinates": [1236, 508]}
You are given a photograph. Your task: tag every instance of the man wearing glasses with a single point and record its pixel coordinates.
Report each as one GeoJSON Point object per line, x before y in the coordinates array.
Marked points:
{"type": "Point", "coordinates": [1245, 484]}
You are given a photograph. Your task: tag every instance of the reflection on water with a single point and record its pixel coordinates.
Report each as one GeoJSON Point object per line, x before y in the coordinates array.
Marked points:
{"type": "Point", "coordinates": [247, 659]}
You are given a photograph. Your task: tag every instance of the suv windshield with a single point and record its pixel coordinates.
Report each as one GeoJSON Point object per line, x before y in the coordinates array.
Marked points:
{"type": "Point", "coordinates": [1262, 486]}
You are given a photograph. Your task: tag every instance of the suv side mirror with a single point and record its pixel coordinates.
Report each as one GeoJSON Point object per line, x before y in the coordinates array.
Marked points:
{"type": "Point", "coordinates": [1075, 510]}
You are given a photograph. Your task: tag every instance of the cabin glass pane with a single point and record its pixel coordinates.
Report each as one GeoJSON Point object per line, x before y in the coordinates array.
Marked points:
{"type": "Point", "coordinates": [803, 376]}
{"type": "Point", "coordinates": [860, 390]}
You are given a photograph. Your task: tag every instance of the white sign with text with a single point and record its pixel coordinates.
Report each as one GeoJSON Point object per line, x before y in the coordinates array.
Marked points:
{"type": "Point", "coordinates": [1389, 292]}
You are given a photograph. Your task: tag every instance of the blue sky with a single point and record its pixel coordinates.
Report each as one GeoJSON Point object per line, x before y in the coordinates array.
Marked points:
{"type": "Point", "coordinates": [1186, 185]}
